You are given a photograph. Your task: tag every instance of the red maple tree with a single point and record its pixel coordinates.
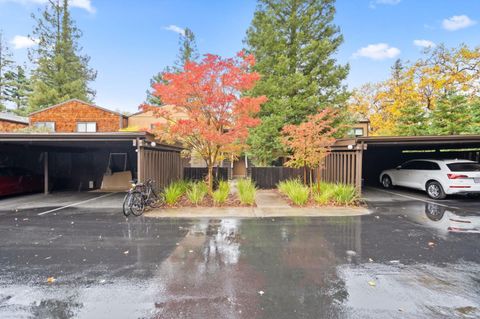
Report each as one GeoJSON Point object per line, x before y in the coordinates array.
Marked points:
{"type": "Point", "coordinates": [310, 141]}
{"type": "Point", "coordinates": [215, 115]}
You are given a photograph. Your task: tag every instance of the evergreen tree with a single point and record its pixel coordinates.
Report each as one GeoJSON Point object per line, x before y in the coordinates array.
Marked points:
{"type": "Point", "coordinates": [6, 64]}
{"type": "Point", "coordinates": [451, 116]}
{"type": "Point", "coordinates": [294, 42]}
{"type": "Point", "coordinates": [187, 52]}
{"type": "Point", "coordinates": [412, 120]}
{"type": "Point", "coordinates": [18, 89]}
{"type": "Point", "coordinates": [61, 72]}
{"type": "Point", "coordinates": [474, 110]}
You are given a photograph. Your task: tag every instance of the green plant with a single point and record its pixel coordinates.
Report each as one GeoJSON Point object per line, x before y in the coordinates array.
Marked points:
{"type": "Point", "coordinates": [196, 192]}
{"type": "Point", "coordinates": [221, 194]}
{"type": "Point", "coordinates": [174, 191]}
{"type": "Point", "coordinates": [295, 190]}
{"type": "Point", "coordinates": [246, 191]}
{"type": "Point", "coordinates": [345, 194]}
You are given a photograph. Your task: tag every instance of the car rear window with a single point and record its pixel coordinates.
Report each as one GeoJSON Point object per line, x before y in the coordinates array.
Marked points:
{"type": "Point", "coordinates": [464, 167]}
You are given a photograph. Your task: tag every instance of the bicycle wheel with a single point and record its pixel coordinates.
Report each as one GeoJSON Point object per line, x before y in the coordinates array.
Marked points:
{"type": "Point", "coordinates": [154, 200]}
{"type": "Point", "coordinates": [137, 204]}
{"type": "Point", "coordinates": [126, 204]}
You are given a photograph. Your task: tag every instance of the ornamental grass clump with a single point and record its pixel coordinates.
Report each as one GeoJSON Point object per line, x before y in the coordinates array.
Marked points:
{"type": "Point", "coordinates": [246, 191]}
{"type": "Point", "coordinates": [220, 196]}
{"type": "Point", "coordinates": [325, 194]}
{"type": "Point", "coordinates": [196, 192]}
{"type": "Point", "coordinates": [174, 191]}
{"type": "Point", "coordinates": [295, 190]}
{"type": "Point", "coordinates": [345, 195]}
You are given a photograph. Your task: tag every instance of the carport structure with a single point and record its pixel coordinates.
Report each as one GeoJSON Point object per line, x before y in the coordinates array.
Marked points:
{"type": "Point", "coordinates": [79, 161]}
{"type": "Point", "coordinates": [359, 161]}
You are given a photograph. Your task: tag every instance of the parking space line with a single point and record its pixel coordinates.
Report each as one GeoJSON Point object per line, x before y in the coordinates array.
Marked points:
{"type": "Point", "coordinates": [75, 204]}
{"type": "Point", "coordinates": [416, 198]}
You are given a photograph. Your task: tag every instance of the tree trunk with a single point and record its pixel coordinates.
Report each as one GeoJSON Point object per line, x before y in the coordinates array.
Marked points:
{"type": "Point", "coordinates": [210, 178]}
{"type": "Point", "coordinates": [305, 175]}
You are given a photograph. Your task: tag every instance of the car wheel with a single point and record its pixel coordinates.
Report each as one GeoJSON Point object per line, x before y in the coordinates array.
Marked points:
{"type": "Point", "coordinates": [435, 190]}
{"type": "Point", "coordinates": [387, 182]}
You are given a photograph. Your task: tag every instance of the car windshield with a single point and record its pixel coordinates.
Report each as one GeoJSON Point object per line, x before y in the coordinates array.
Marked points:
{"type": "Point", "coordinates": [464, 167]}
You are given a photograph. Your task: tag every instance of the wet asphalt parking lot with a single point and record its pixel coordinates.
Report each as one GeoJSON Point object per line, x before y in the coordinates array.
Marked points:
{"type": "Point", "coordinates": [74, 255]}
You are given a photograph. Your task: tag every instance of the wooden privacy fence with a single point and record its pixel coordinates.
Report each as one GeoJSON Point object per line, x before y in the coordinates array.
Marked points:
{"type": "Point", "coordinates": [269, 177]}
{"type": "Point", "coordinates": [199, 173]}
{"type": "Point", "coordinates": [162, 167]}
{"type": "Point", "coordinates": [339, 167]}
{"type": "Point", "coordinates": [343, 167]}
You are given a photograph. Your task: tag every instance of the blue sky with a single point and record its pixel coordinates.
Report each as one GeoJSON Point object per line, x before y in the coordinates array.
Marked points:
{"type": "Point", "coordinates": [129, 40]}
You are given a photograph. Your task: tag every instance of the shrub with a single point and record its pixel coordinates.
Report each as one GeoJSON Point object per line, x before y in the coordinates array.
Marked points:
{"type": "Point", "coordinates": [345, 194]}
{"type": "Point", "coordinates": [221, 194]}
{"type": "Point", "coordinates": [246, 191]}
{"type": "Point", "coordinates": [325, 195]}
{"type": "Point", "coordinates": [295, 190]}
{"type": "Point", "coordinates": [174, 191]}
{"type": "Point", "coordinates": [196, 192]}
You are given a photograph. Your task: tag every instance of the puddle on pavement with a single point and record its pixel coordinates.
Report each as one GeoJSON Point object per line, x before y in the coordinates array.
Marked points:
{"type": "Point", "coordinates": [333, 267]}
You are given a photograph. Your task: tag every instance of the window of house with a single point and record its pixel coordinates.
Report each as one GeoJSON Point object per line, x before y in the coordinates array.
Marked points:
{"type": "Point", "coordinates": [356, 132]}
{"type": "Point", "coordinates": [86, 127]}
{"type": "Point", "coordinates": [48, 125]}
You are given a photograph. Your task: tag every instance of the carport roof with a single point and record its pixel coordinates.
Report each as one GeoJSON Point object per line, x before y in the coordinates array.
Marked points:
{"type": "Point", "coordinates": [407, 140]}
{"type": "Point", "coordinates": [85, 137]}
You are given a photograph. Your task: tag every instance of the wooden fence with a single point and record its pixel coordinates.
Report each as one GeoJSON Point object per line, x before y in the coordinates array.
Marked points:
{"type": "Point", "coordinates": [199, 173]}
{"type": "Point", "coordinates": [162, 167]}
{"type": "Point", "coordinates": [343, 167]}
{"type": "Point", "coordinates": [269, 177]}
{"type": "Point", "coordinates": [339, 167]}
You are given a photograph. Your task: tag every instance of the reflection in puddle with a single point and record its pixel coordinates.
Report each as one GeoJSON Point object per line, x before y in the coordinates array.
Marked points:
{"type": "Point", "coordinates": [333, 267]}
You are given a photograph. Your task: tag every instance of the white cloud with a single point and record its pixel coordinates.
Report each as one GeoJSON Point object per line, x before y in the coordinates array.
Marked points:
{"type": "Point", "coordinates": [175, 29]}
{"type": "Point", "coordinates": [457, 22]}
{"type": "Point", "coordinates": [374, 3]}
{"type": "Point", "coordinates": [424, 43]}
{"type": "Point", "coordinates": [22, 42]}
{"type": "Point", "coordinates": [82, 4]}
{"type": "Point", "coordinates": [379, 51]}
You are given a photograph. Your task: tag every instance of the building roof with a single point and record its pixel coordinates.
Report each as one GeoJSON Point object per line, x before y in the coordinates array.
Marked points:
{"type": "Point", "coordinates": [10, 117]}
{"type": "Point", "coordinates": [72, 138]}
{"type": "Point", "coordinates": [407, 140]}
{"type": "Point", "coordinates": [79, 101]}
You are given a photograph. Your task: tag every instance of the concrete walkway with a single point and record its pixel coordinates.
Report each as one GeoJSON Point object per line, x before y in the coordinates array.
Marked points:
{"type": "Point", "coordinates": [267, 198]}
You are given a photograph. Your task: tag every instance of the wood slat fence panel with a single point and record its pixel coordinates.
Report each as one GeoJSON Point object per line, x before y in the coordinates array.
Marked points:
{"type": "Point", "coordinates": [342, 167]}
{"type": "Point", "coordinates": [162, 167]}
{"type": "Point", "coordinates": [269, 177]}
{"type": "Point", "coordinates": [199, 173]}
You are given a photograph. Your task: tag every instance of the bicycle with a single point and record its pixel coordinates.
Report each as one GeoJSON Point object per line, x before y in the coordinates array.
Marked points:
{"type": "Point", "coordinates": [139, 196]}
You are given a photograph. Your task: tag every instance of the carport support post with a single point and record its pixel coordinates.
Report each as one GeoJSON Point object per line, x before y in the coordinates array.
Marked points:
{"type": "Point", "coordinates": [139, 161]}
{"type": "Point", "coordinates": [45, 173]}
{"type": "Point", "coordinates": [358, 170]}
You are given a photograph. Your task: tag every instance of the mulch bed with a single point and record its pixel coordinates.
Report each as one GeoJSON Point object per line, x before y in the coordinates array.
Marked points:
{"type": "Point", "coordinates": [232, 201]}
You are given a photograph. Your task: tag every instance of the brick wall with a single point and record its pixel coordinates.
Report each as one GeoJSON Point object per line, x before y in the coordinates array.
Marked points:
{"type": "Point", "coordinates": [67, 115]}
{"type": "Point", "coordinates": [7, 126]}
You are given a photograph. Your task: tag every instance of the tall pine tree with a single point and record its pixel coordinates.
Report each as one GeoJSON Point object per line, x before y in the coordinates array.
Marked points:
{"type": "Point", "coordinates": [6, 65]}
{"type": "Point", "coordinates": [451, 116]}
{"type": "Point", "coordinates": [18, 89]}
{"type": "Point", "coordinates": [294, 42]}
{"type": "Point", "coordinates": [61, 71]}
{"type": "Point", "coordinates": [187, 52]}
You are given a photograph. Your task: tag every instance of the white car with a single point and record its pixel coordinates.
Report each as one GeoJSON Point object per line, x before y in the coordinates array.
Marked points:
{"type": "Point", "coordinates": [438, 178]}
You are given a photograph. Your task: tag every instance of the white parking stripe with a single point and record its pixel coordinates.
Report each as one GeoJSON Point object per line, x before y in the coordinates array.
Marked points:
{"type": "Point", "coordinates": [416, 198]}
{"type": "Point", "coordinates": [74, 204]}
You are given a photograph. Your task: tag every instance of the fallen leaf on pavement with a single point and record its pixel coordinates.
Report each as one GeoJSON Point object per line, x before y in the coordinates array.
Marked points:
{"type": "Point", "coordinates": [261, 292]}
{"type": "Point", "coordinates": [50, 280]}
{"type": "Point", "coordinates": [126, 252]}
{"type": "Point", "coordinates": [372, 283]}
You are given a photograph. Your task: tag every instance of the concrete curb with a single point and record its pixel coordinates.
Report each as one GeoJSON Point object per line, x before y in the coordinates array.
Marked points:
{"type": "Point", "coordinates": [255, 212]}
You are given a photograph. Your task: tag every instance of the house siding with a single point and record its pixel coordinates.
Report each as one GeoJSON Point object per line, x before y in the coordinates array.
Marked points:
{"type": "Point", "coordinates": [67, 115]}
{"type": "Point", "coordinates": [8, 126]}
